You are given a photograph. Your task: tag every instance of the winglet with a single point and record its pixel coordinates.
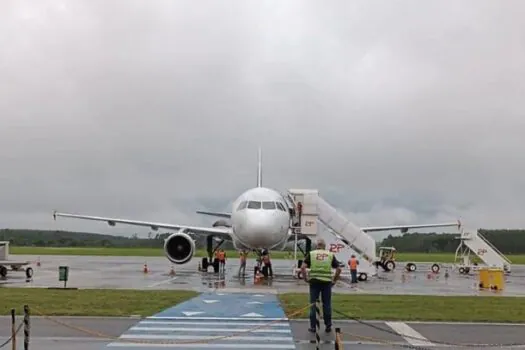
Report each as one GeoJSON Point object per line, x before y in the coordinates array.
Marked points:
{"type": "Point", "coordinates": [259, 168]}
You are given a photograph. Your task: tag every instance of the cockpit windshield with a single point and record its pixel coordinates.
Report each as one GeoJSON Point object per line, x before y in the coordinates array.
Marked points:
{"type": "Point", "coordinates": [268, 205]}
{"type": "Point", "coordinates": [254, 205]}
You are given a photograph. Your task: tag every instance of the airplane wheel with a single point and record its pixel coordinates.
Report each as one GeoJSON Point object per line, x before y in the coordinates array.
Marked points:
{"type": "Point", "coordinates": [29, 272]}
{"type": "Point", "coordinates": [461, 270]}
{"type": "Point", "coordinates": [362, 277]}
{"type": "Point", "coordinates": [3, 271]}
{"type": "Point", "coordinates": [435, 268]}
{"type": "Point", "coordinates": [204, 264]}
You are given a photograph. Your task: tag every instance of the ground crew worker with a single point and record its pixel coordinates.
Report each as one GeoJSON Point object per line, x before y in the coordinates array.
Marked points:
{"type": "Point", "coordinates": [222, 260]}
{"type": "Point", "coordinates": [352, 263]}
{"type": "Point", "coordinates": [267, 265]}
{"type": "Point", "coordinates": [321, 262]}
{"type": "Point", "coordinates": [242, 261]}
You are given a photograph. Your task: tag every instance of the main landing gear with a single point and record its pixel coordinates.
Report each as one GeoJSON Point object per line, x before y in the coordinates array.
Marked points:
{"type": "Point", "coordinates": [210, 260]}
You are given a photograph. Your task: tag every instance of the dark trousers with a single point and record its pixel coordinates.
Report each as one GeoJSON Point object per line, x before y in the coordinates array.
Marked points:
{"type": "Point", "coordinates": [325, 291]}
{"type": "Point", "coordinates": [353, 273]}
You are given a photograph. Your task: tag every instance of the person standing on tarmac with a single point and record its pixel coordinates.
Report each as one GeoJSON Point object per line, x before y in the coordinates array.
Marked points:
{"type": "Point", "coordinates": [242, 267]}
{"type": "Point", "coordinates": [321, 262]}
{"type": "Point", "coordinates": [353, 263]}
{"type": "Point", "coordinates": [222, 260]}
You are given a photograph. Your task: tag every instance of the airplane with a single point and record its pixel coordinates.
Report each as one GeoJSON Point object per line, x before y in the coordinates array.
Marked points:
{"type": "Point", "coordinates": [260, 220]}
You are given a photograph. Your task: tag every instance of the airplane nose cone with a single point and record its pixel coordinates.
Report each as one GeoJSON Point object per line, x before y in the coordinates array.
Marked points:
{"type": "Point", "coordinates": [262, 232]}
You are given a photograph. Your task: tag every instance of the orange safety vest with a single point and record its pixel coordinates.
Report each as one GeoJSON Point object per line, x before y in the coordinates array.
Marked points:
{"type": "Point", "coordinates": [221, 255]}
{"type": "Point", "coordinates": [243, 257]}
{"type": "Point", "coordinates": [266, 259]}
{"type": "Point", "coordinates": [353, 263]}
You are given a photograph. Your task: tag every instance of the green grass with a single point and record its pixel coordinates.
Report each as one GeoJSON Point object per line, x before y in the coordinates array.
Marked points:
{"type": "Point", "coordinates": [89, 302]}
{"type": "Point", "coordinates": [97, 251]}
{"type": "Point", "coordinates": [416, 308]}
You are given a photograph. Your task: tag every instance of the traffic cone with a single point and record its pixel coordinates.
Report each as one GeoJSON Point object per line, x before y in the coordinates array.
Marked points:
{"type": "Point", "coordinates": [38, 262]}
{"type": "Point", "coordinates": [172, 271]}
{"type": "Point", "coordinates": [145, 268]}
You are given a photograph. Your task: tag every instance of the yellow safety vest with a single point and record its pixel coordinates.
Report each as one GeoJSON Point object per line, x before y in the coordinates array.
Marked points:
{"type": "Point", "coordinates": [321, 265]}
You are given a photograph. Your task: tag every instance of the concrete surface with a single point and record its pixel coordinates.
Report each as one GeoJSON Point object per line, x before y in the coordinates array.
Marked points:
{"type": "Point", "coordinates": [48, 335]}
{"type": "Point", "coordinates": [126, 272]}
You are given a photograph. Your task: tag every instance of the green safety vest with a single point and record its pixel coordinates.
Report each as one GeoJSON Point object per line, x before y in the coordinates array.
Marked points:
{"type": "Point", "coordinates": [321, 265]}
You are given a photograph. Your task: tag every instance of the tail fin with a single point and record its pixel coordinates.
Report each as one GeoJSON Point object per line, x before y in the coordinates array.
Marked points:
{"type": "Point", "coordinates": [259, 169]}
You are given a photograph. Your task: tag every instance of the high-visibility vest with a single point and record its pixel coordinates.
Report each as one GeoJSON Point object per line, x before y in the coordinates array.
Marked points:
{"type": "Point", "coordinates": [221, 255]}
{"type": "Point", "coordinates": [243, 257]}
{"type": "Point", "coordinates": [266, 259]}
{"type": "Point", "coordinates": [321, 265]}
{"type": "Point", "coordinates": [353, 263]}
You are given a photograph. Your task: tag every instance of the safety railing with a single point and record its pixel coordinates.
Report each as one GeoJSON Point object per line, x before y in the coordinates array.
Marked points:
{"type": "Point", "coordinates": [25, 324]}
{"type": "Point", "coordinates": [338, 343]}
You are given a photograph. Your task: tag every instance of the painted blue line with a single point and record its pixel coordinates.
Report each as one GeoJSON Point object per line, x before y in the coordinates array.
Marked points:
{"type": "Point", "coordinates": [215, 320]}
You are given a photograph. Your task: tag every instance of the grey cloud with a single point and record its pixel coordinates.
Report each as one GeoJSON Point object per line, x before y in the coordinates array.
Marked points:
{"type": "Point", "coordinates": [404, 112]}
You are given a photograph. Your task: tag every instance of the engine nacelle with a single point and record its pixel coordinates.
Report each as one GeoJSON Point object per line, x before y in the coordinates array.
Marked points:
{"type": "Point", "coordinates": [179, 248]}
{"type": "Point", "coordinates": [221, 223]}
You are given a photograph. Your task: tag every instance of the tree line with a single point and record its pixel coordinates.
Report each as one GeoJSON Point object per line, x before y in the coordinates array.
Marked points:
{"type": "Point", "coordinates": [507, 241]}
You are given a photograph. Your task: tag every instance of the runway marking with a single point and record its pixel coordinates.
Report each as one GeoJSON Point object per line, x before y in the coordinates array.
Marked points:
{"type": "Point", "coordinates": [201, 323]}
{"type": "Point", "coordinates": [212, 330]}
{"type": "Point", "coordinates": [200, 337]}
{"type": "Point", "coordinates": [204, 346]}
{"type": "Point", "coordinates": [162, 282]}
{"type": "Point", "coordinates": [409, 334]}
{"type": "Point", "coordinates": [285, 319]}
{"type": "Point", "coordinates": [192, 313]}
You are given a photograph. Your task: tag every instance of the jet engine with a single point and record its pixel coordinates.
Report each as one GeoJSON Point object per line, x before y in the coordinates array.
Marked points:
{"type": "Point", "coordinates": [221, 223]}
{"type": "Point", "coordinates": [179, 248]}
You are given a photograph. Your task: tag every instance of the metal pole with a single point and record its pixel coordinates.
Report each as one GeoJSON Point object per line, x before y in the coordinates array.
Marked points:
{"type": "Point", "coordinates": [13, 330]}
{"type": "Point", "coordinates": [26, 327]}
{"type": "Point", "coordinates": [338, 339]}
{"type": "Point", "coordinates": [317, 324]}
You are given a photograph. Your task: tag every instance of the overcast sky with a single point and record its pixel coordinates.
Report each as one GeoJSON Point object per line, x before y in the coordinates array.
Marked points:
{"type": "Point", "coordinates": [398, 112]}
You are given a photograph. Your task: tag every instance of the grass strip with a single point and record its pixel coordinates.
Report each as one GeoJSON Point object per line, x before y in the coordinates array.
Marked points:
{"type": "Point", "coordinates": [417, 308]}
{"type": "Point", "coordinates": [90, 302]}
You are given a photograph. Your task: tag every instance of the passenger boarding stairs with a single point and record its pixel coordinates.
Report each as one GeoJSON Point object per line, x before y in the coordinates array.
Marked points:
{"type": "Point", "coordinates": [343, 237]}
{"type": "Point", "coordinates": [483, 249]}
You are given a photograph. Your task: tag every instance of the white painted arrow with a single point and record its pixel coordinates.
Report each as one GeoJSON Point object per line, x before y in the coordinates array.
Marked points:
{"type": "Point", "coordinates": [254, 302]}
{"type": "Point", "coordinates": [210, 301]}
{"type": "Point", "coordinates": [192, 313]}
{"type": "Point", "coordinates": [251, 314]}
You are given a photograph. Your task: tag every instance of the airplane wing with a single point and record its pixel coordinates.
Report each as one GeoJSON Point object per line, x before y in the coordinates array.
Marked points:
{"type": "Point", "coordinates": [213, 213]}
{"type": "Point", "coordinates": [405, 228]}
{"type": "Point", "coordinates": [222, 232]}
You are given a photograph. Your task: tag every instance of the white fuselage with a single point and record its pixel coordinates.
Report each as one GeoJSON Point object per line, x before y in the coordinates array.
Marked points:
{"type": "Point", "coordinates": [260, 219]}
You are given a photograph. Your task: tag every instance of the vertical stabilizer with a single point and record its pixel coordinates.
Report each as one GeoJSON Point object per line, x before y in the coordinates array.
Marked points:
{"type": "Point", "coordinates": [259, 169]}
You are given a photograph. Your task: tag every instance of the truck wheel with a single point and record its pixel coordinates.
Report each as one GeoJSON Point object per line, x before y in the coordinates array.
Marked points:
{"type": "Point", "coordinates": [362, 277]}
{"type": "Point", "coordinates": [411, 267]}
{"type": "Point", "coordinates": [3, 271]}
{"type": "Point", "coordinates": [390, 265]}
{"type": "Point", "coordinates": [29, 272]}
{"type": "Point", "coordinates": [435, 268]}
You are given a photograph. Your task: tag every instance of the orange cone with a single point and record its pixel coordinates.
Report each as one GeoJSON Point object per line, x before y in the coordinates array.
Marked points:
{"type": "Point", "coordinates": [145, 268]}
{"type": "Point", "coordinates": [38, 262]}
{"type": "Point", "coordinates": [172, 271]}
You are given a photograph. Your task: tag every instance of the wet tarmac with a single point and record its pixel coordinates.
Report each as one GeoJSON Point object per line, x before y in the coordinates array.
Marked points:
{"type": "Point", "coordinates": [127, 273]}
